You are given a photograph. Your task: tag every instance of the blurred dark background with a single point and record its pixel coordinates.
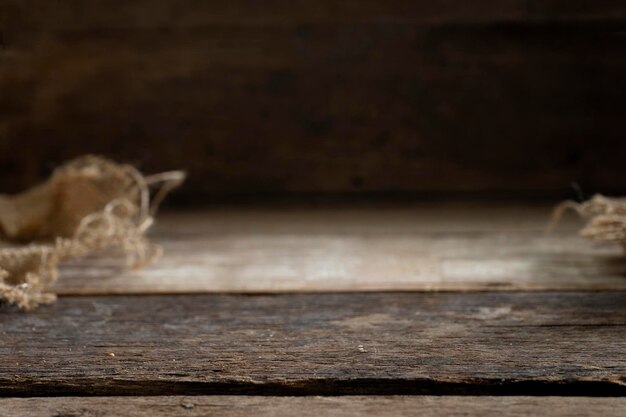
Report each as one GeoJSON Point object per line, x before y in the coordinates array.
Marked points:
{"type": "Point", "coordinates": [368, 97]}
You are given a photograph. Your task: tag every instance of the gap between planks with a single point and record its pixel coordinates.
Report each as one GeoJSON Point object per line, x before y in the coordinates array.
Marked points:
{"type": "Point", "coordinates": [428, 247]}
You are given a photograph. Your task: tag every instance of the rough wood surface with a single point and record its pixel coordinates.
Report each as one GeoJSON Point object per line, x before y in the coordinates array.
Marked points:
{"type": "Point", "coordinates": [424, 247]}
{"type": "Point", "coordinates": [320, 96]}
{"type": "Point", "coordinates": [319, 344]}
{"type": "Point", "coordinates": [425, 406]}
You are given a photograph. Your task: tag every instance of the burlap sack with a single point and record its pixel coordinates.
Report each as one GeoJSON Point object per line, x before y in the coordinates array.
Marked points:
{"type": "Point", "coordinates": [606, 218]}
{"type": "Point", "coordinates": [87, 205]}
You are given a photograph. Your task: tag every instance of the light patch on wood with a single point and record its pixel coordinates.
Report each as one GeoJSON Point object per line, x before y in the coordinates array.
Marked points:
{"type": "Point", "coordinates": [488, 313]}
{"type": "Point", "coordinates": [414, 248]}
{"type": "Point", "coordinates": [365, 322]}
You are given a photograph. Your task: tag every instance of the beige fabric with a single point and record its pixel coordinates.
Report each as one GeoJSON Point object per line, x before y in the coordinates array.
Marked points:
{"type": "Point", "coordinates": [87, 205]}
{"type": "Point", "coordinates": [606, 218]}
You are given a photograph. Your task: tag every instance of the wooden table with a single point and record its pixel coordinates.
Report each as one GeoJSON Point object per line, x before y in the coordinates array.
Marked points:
{"type": "Point", "coordinates": [430, 309]}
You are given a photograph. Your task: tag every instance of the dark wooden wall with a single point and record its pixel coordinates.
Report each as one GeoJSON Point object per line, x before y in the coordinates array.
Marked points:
{"type": "Point", "coordinates": [448, 96]}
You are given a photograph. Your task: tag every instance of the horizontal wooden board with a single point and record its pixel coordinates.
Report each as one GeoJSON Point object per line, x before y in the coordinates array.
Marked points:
{"type": "Point", "coordinates": [431, 246]}
{"type": "Point", "coordinates": [324, 344]}
{"type": "Point", "coordinates": [309, 96]}
{"type": "Point", "coordinates": [144, 14]}
{"type": "Point", "coordinates": [425, 406]}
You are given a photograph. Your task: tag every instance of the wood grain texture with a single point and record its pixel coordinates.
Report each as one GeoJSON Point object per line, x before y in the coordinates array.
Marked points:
{"type": "Point", "coordinates": [326, 344]}
{"type": "Point", "coordinates": [426, 406]}
{"type": "Point", "coordinates": [465, 247]}
{"type": "Point", "coordinates": [310, 96]}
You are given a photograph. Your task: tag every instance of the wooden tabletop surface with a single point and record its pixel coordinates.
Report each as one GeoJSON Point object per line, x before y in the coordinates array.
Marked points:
{"type": "Point", "coordinates": [432, 309]}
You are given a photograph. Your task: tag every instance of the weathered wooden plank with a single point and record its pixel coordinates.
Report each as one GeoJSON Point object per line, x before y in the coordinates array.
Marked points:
{"type": "Point", "coordinates": [320, 97]}
{"type": "Point", "coordinates": [314, 406]}
{"type": "Point", "coordinates": [423, 247]}
{"type": "Point", "coordinates": [325, 344]}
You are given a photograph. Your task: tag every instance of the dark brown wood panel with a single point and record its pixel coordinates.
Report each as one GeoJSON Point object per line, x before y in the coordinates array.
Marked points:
{"type": "Point", "coordinates": [107, 14]}
{"type": "Point", "coordinates": [396, 406]}
{"type": "Point", "coordinates": [540, 344]}
{"type": "Point", "coordinates": [370, 96]}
